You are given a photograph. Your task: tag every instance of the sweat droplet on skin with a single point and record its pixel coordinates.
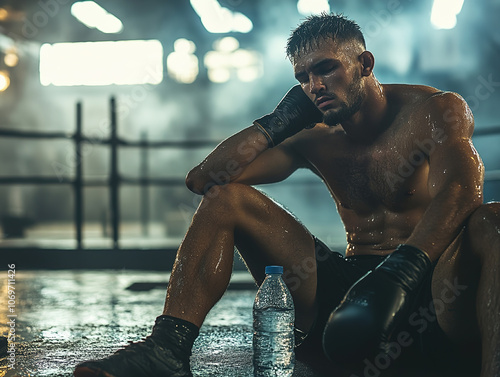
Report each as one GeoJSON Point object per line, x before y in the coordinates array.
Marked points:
{"type": "Point", "coordinates": [218, 263]}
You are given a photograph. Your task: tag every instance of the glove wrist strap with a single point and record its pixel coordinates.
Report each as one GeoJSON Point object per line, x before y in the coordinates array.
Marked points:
{"type": "Point", "coordinates": [408, 265]}
{"type": "Point", "coordinates": [270, 141]}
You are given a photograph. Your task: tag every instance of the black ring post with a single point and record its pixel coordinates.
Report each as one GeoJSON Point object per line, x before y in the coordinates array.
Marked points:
{"type": "Point", "coordinates": [144, 174]}
{"type": "Point", "coordinates": [78, 182]}
{"type": "Point", "coordinates": [114, 180]}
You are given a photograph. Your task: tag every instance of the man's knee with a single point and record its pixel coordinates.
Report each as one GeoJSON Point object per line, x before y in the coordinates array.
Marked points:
{"type": "Point", "coordinates": [483, 227]}
{"type": "Point", "coordinates": [486, 218]}
{"type": "Point", "coordinates": [227, 197]}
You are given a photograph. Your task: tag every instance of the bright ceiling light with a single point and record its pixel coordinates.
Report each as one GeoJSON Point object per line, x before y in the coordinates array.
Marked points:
{"type": "Point", "coordinates": [310, 7]}
{"type": "Point", "coordinates": [4, 14]}
{"type": "Point", "coordinates": [444, 13]}
{"type": "Point", "coordinates": [241, 23]}
{"type": "Point", "coordinates": [101, 63]}
{"type": "Point", "coordinates": [4, 80]}
{"type": "Point", "coordinates": [217, 19]}
{"type": "Point", "coordinates": [227, 44]}
{"type": "Point", "coordinates": [185, 46]}
{"type": "Point", "coordinates": [182, 64]}
{"type": "Point", "coordinates": [227, 58]}
{"type": "Point", "coordinates": [219, 75]}
{"type": "Point", "coordinates": [93, 16]}
{"type": "Point", "coordinates": [11, 57]}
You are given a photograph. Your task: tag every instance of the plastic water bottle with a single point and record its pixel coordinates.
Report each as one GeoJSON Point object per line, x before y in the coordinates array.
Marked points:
{"type": "Point", "coordinates": [273, 324]}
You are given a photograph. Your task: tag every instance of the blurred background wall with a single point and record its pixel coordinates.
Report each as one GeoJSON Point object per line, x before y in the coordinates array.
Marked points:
{"type": "Point", "coordinates": [213, 67]}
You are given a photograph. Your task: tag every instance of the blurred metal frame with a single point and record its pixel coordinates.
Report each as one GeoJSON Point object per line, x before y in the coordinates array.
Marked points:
{"type": "Point", "coordinates": [115, 179]}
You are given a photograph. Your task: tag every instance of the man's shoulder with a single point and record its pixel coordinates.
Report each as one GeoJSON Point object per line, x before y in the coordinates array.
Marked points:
{"type": "Point", "coordinates": [420, 94]}
{"type": "Point", "coordinates": [422, 100]}
{"type": "Point", "coordinates": [428, 108]}
{"type": "Point", "coordinates": [410, 94]}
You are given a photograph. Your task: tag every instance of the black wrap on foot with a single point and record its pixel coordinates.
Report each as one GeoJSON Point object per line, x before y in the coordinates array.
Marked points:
{"type": "Point", "coordinates": [164, 353]}
{"type": "Point", "coordinates": [3, 346]}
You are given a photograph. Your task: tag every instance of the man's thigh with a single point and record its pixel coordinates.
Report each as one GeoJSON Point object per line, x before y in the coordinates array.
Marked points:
{"type": "Point", "coordinates": [265, 234]}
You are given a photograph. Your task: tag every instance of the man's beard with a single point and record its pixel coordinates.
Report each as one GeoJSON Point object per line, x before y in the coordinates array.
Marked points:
{"type": "Point", "coordinates": [349, 108]}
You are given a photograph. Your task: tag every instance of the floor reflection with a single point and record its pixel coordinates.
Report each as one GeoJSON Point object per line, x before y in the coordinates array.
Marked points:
{"type": "Point", "coordinates": [65, 317]}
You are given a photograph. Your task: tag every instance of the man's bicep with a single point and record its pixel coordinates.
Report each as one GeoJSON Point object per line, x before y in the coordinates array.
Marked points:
{"type": "Point", "coordinates": [456, 165]}
{"type": "Point", "coordinates": [273, 165]}
{"type": "Point", "coordinates": [454, 162]}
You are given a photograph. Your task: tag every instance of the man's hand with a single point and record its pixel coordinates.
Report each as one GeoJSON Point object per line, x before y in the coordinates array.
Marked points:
{"type": "Point", "coordinates": [294, 113]}
{"type": "Point", "coordinates": [361, 326]}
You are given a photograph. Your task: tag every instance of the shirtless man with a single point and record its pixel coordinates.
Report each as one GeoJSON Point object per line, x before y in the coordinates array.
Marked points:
{"type": "Point", "coordinates": [407, 181]}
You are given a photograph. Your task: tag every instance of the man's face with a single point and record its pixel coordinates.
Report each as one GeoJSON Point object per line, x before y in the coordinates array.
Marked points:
{"type": "Point", "coordinates": [330, 75]}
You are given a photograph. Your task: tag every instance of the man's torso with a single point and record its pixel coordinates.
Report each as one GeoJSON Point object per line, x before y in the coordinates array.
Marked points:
{"type": "Point", "coordinates": [380, 187]}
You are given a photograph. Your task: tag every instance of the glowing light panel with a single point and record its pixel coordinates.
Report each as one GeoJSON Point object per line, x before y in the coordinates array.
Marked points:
{"type": "Point", "coordinates": [101, 63]}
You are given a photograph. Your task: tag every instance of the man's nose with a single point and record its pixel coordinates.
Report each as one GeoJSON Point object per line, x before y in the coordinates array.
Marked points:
{"type": "Point", "coordinates": [316, 84]}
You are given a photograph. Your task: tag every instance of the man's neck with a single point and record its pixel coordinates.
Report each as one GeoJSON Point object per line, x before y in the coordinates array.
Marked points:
{"type": "Point", "coordinates": [369, 121]}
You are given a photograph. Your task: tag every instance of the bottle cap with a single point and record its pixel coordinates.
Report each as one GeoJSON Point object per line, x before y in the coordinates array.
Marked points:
{"type": "Point", "coordinates": [274, 270]}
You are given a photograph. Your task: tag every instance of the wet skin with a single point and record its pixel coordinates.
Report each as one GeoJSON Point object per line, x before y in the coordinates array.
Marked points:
{"type": "Point", "coordinates": [400, 165]}
{"type": "Point", "coordinates": [383, 187]}
{"type": "Point", "coordinates": [405, 148]}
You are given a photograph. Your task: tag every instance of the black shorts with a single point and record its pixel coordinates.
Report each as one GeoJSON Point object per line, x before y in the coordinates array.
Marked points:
{"type": "Point", "coordinates": [420, 335]}
{"type": "Point", "coordinates": [336, 275]}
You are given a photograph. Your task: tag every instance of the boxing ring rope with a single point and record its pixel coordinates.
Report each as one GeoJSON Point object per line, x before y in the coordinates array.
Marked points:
{"type": "Point", "coordinates": [114, 180]}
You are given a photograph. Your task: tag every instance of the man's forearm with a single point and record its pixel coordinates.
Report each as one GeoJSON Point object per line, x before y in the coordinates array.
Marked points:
{"type": "Point", "coordinates": [228, 160]}
{"type": "Point", "coordinates": [443, 221]}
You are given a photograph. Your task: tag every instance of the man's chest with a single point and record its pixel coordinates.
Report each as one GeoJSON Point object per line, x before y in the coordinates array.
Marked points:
{"type": "Point", "coordinates": [391, 172]}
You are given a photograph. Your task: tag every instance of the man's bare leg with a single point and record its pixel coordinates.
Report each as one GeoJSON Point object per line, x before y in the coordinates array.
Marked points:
{"type": "Point", "coordinates": [228, 215]}
{"type": "Point", "coordinates": [471, 319]}
{"type": "Point", "coordinates": [264, 233]}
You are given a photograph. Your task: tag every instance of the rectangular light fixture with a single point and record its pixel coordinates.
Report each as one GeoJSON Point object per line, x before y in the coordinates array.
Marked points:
{"type": "Point", "coordinates": [101, 63]}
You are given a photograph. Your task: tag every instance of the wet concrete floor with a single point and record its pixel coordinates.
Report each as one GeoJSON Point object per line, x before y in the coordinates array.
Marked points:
{"type": "Point", "coordinates": [65, 317]}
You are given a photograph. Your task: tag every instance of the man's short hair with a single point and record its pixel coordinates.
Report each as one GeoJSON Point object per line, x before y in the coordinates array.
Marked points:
{"type": "Point", "coordinates": [317, 28]}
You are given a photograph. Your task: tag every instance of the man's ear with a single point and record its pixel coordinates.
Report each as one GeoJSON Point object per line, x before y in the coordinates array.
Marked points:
{"type": "Point", "coordinates": [368, 62]}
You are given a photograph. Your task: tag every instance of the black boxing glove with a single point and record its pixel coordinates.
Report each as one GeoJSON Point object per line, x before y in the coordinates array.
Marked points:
{"type": "Point", "coordinates": [294, 113]}
{"type": "Point", "coordinates": [361, 326]}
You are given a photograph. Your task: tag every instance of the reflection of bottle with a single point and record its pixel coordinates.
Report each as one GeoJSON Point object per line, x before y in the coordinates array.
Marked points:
{"type": "Point", "coordinates": [273, 324]}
